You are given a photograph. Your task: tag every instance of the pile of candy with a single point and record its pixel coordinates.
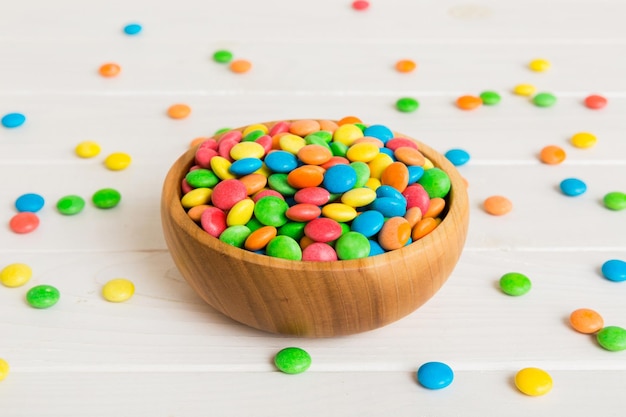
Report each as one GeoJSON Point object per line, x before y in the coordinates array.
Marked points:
{"type": "Point", "coordinates": [315, 190]}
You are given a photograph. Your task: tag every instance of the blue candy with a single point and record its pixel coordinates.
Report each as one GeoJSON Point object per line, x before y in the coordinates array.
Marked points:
{"type": "Point", "coordinates": [29, 202]}
{"type": "Point", "coordinates": [245, 166]}
{"type": "Point", "coordinates": [281, 161]}
{"type": "Point", "coordinates": [388, 152]}
{"type": "Point", "coordinates": [12, 120]}
{"type": "Point", "coordinates": [389, 206]}
{"type": "Point", "coordinates": [458, 157]}
{"type": "Point", "coordinates": [339, 178]}
{"type": "Point", "coordinates": [375, 248]}
{"type": "Point", "coordinates": [435, 375]}
{"type": "Point", "coordinates": [389, 191]}
{"type": "Point", "coordinates": [368, 223]}
{"type": "Point", "coordinates": [380, 132]}
{"type": "Point", "coordinates": [132, 29]}
{"type": "Point", "coordinates": [614, 270]}
{"type": "Point", "coordinates": [415, 173]}
{"type": "Point", "coordinates": [573, 187]}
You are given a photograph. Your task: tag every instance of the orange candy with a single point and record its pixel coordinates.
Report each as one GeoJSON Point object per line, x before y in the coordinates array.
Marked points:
{"type": "Point", "coordinates": [435, 207]}
{"type": "Point", "coordinates": [240, 66]}
{"type": "Point", "coordinates": [409, 156]}
{"type": "Point", "coordinates": [413, 215]}
{"type": "Point", "coordinates": [395, 233]}
{"type": "Point", "coordinates": [306, 176]}
{"type": "Point", "coordinates": [424, 227]}
{"type": "Point", "coordinates": [497, 205]}
{"type": "Point", "coordinates": [585, 320]}
{"type": "Point", "coordinates": [260, 238]}
{"type": "Point", "coordinates": [304, 127]}
{"type": "Point", "coordinates": [552, 155]}
{"type": "Point", "coordinates": [328, 125]}
{"type": "Point", "coordinates": [195, 213]}
{"type": "Point", "coordinates": [468, 102]}
{"type": "Point", "coordinates": [349, 120]}
{"type": "Point", "coordinates": [253, 182]}
{"type": "Point", "coordinates": [178, 111]}
{"type": "Point", "coordinates": [109, 69]}
{"type": "Point", "coordinates": [395, 175]}
{"type": "Point", "coordinates": [314, 154]}
{"type": "Point", "coordinates": [405, 65]}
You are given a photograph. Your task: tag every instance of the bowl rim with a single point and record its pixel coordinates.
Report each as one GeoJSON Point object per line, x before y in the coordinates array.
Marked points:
{"type": "Point", "coordinates": [172, 207]}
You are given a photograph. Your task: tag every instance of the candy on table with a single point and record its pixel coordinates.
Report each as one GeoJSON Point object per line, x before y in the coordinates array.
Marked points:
{"type": "Point", "coordinates": [15, 275]}
{"type": "Point", "coordinates": [539, 65]}
{"type": "Point", "coordinates": [515, 284]}
{"type": "Point", "coordinates": [572, 187]}
{"type": "Point", "coordinates": [70, 204]}
{"type": "Point", "coordinates": [544, 100]}
{"type": "Point", "coordinates": [405, 65]}
{"type": "Point", "coordinates": [435, 375]}
{"type": "Point", "coordinates": [29, 202]}
{"type": "Point", "coordinates": [178, 111]}
{"type": "Point", "coordinates": [533, 381]}
{"type": "Point", "coordinates": [132, 29]}
{"type": "Point", "coordinates": [490, 98]}
{"type": "Point", "coordinates": [615, 200]}
{"type": "Point", "coordinates": [24, 222]}
{"type": "Point", "coordinates": [13, 120]}
{"type": "Point", "coordinates": [407, 104]}
{"type": "Point", "coordinates": [458, 157]}
{"type": "Point", "coordinates": [586, 320]}
{"type": "Point", "coordinates": [106, 198]}
{"type": "Point", "coordinates": [292, 360]}
{"type": "Point", "coordinates": [595, 102]}
{"type": "Point", "coordinates": [87, 149]}
{"type": "Point", "coordinates": [612, 338]}
{"type": "Point", "coordinates": [552, 155]}
{"type": "Point", "coordinates": [240, 66]}
{"type": "Point", "coordinates": [117, 161]}
{"type": "Point", "coordinates": [583, 140]}
{"type": "Point", "coordinates": [118, 290]}
{"type": "Point", "coordinates": [614, 270]}
{"type": "Point", "coordinates": [4, 369]}
{"type": "Point", "coordinates": [526, 90]}
{"type": "Point", "coordinates": [468, 102]}
{"type": "Point", "coordinates": [360, 5]}
{"type": "Point", "coordinates": [223, 56]}
{"type": "Point", "coordinates": [42, 296]}
{"type": "Point", "coordinates": [497, 205]}
{"type": "Point", "coordinates": [110, 69]}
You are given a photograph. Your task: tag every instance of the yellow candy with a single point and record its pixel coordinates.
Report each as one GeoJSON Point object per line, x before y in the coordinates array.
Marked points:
{"type": "Point", "coordinates": [240, 213]}
{"type": "Point", "coordinates": [252, 128]}
{"type": "Point", "coordinates": [291, 143]}
{"type": "Point", "coordinates": [428, 164]}
{"type": "Point", "coordinates": [539, 65]}
{"type": "Point", "coordinates": [118, 290]}
{"type": "Point", "coordinates": [379, 164]}
{"type": "Point", "coordinates": [339, 212]}
{"type": "Point", "coordinates": [264, 170]}
{"type": "Point", "coordinates": [584, 140]}
{"type": "Point", "coordinates": [247, 150]}
{"type": "Point", "coordinates": [524, 90]}
{"type": "Point", "coordinates": [221, 167]}
{"type": "Point", "coordinates": [358, 197]}
{"type": "Point", "coordinates": [117, 161]}
{"type": "Point", "coordinates": [15, 275]}
{"type": "Point", "coordinates": [373, 183]}
{"type": "Point", "coordinates": [87, 149]}
{"type": "Point", "coordinates": [533, 381]}
{"type": "Point", "coordinates": [363, 152]}
{"type": "Point", "coordinates": [196, 197]}
{"type": "Point", "coordinates": [4, 369]}
{"type": "Point", "coordinates": [347, 134]}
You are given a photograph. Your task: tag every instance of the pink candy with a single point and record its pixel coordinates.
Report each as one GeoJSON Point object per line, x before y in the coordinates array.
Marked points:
{"type": "Point", "coordinates": [227, 193]}
{"type": "Point", "coordinates": [323, 229]}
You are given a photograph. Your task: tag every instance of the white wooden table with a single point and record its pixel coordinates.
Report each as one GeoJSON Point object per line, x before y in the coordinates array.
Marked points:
{"type": "Point", "coordinates": [165, 353]}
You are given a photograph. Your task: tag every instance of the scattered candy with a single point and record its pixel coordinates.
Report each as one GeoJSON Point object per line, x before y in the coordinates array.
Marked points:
{"type": "Point", "coordinates": [533, 381]}
{"type": "Point", "coordinates": [595, 102]}
{"type": "Point", "coordinates": [490, 98]}
{"type": "Point", "coordinates": [526, 90]}
{"type": "Point", "coordinates": [106, 198]}
{"type": "Point", "coordinates": [132, 29]}
{"type": "Point", "coordinates": [406, 65]}
{"type": "Point", "coordinates": [15, 275]}
{"type": "Point", "coordinates": [583, 140]}
{"type": "Point", "coordinates": [29, 202]}
{"type": "Point", "coordinates": [70, 204]}
{"type": "Point", "coordinates": [109, 69]}
{"type": "Point", "coordinates": [223, 56]}
{"type": "Point", "coordinates": [585, 320]}
{"type": "Point", "coordinates": [497, 205]}
{"type": "Point", "coordinates": [24, 222]}
{"type": "Point", "coordinates": [544, 100]}
{"type": "Point", "coordinates": [573, 187]}
{"type": "Point", "coordinates": [614, 270]}
{"type": "Point", "coordinates": [87, 149]}
{"type": "Point", "coordinates": [4, 369]}
{"type": "Point", "coordinates": [42, 296]}
{"type": "Point", "coordinates": [118, 290]}
{"type": "Point", "coordinates": [407, 104]}
{"type": "Point", "coordinates": [515, 284]}
{"type": "Point", "coordinates": [468, 102]}
{"type": "Point", "coordinates": [13, 120]}
{"type": "Point", "coordinates": [117, 161]}
{"type": "Point", "coordinates": [435, 375]}
{"type": "Point", "coordinates": [360, 5]}
{"type": "Point", "coordinates": [292, 360]}
{"type": "Point", "coordinates": [178, 111]}
{"type": "Point", "coordinates": [240, 66]}
{"type": "Point", "coordinates": [615, 200]}
{"type": "Point", "coordinates": [612, 338]}
{"type": "Point", "coordinates": [552, 155]}
{"type": "Point", "coordinates": [458, 157]}
{"type": "Point", "coordinates": [539, 65]}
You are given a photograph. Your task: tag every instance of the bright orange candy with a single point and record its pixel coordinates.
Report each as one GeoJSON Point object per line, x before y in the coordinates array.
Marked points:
{"type": "Point", "coordinates": [497, 205]}
{"type": "Point", "coordinates": [409, 156]}
{"type": "Point", "coordinates": [178, 111]}
{"type": "Point", "coordinates": [423, 227]}
{"type": "Point", "coordinates": [435, 207]}
{"type": "Point", "coordinates": [395, 175]}
{"type": "Point", "coordinates": [314, 154]}
{"type": "Point", "coordinates": [304, 127]}
{"type": "Point", "coordinates": [585, 320]}
{"type": "Point", "coordinates": [405, 65]}
{"type": "Point", "coordinates": [306, 176]}
{"type": "Point", "coordinates": [195, 213]}
{"type": "Point", "coordinates": [260, 238]}
{"type": "Point", "coordinates": [349, 120]}
{"type": "Point", "coordinates": [306, 241]}
{"type": "Point", "coordinates": [109, 69]}
{"type": "Point", "coordinates": [395, 233]}
{"type": "Point", "coordinates": [552, 155]}
{"type": "Point", "coordinates": [468, 102]}
{"type": "Point", "coordinates": [240, 66]}
{"type": "Point", "coordinates": [253, 182]}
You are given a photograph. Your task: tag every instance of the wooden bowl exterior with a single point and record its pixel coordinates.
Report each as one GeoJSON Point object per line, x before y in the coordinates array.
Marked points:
{"type": "Point", "coordinates": [314, 299]}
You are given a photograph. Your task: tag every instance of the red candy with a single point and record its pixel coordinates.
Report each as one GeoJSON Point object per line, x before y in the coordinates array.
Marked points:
{"type": "Point", "coordinates": [24, 222]}
{"type": "Point", "coordinates": [396, 143]}
{"type": "Point", "coordinates": [595, 102]}
{"type": "Point", "coordinates": [280, 127]}
{"type": "Point", "coordinates": [319, 251]}
{"type": "Point", "coordinates": [224, 146]}
{"type": "Point", "coordinates": [227, 193]}
{"type": "Point", "coordinates": [185, 187]}
{"type": "Point", "coordinates": [266, 142]}
{"type": "Point", "coordinates": [312, 195]}
{"type": "Point", "coordinates": [265, 193]}
{"type": "Point", "coordinates": [360, 4]}
{"type": "Point", "coordinates": [416, 196]}
{"type": "Point", "coordinates": [303, 212]}
{"type": "Point", "coordinates": [323, 229]}
{"type": "Point", "coordinates": [204, 156]}
{"type": "Point", "coordinates": [213, 221]}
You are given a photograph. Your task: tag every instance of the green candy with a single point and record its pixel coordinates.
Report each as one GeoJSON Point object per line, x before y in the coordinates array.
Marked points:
{"type": "Point", "coordinates": [292, 360]}
{"type": "Point", "coordinates": [515, 284]}
{"type": "Point", "coordinates": [223, 56]}
{"type": "Point", "coordinates": [615, 200]}
{"type": "Point", "coordinates": [407, 104]}
{"type": "Point", "coordinates": [284, 247]}
{"type": "Point", "coordinates": [316, 140]}
{"type": "Point", "coordinates": [325, 135]}
{"type": "Point", "coordinates": [362, 173]}
{"type": "Point", "coordinates": [338, 149]}
{"type": "Point", "coordinates": [42, 296]}
{"type": "Point", "coordinates": [490, 98]}
{"type": "Point", "coordinates": [361, 126]}
{"type": "Point", "coordinates": [202, 178]}
{"type": "Point", "coordinates": [222, 130]}
{"type": "Point", "coordinates": [278, 182]}
{"type": "Point", "coordinates": [544, 100]}
{"type": "Point", "coordinates": [70, 204]}
{"type": "Point", "coordinates": [106, 198]}
{"type": "Point", "coordinates": [270, 211]}
{"type": "Point", "coordinates": [612, 338]}
{"type": "Point", "coordinates": [235, 235]}
{"type": "Point", "coordinates": [254, 224]}
{"type": "Point", "coordinates": [252, 136]}
{"type": "Point", "coordinates": [294, 230]}
{"type": "Point", "coordinates": [436, 182]}
{"type": "Point", "coordinates": [352, 245]}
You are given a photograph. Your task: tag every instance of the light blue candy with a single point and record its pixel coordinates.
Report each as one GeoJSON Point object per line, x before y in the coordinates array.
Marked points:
{"type": "Point", "coordinates": [389, 206]}
{"type": "Point", "coordinates": [415, 173]}
{"type": "Point", "coordinates": [13, 120]}
{"type": "Point", "coordinates": [435, 375]}
{"type": "Point", "coordinates": [368, 223]}
{"type": "Point", "coordinates": [614, 270]}
{"type": "Point", "coordinates": [380, 132]}
{"type": "Point", "coordinates": [458, 157]}
{"type": "Point", "coordinates": [375, 248]}
{"type": "Point", "coordinates": [281, 161]}
{"type": "Point", "coordinates": [389, 191]}
{"type": "Point", "coordinates": [339, 178]}
{"type": "Point", "coordinates": [388, 152]}
{"type": "Point", "coordinates": [132, 29]}
{"type": "Point", "coordinates": [245, 166]}
{"type": "Point", "coordinates": [572, 187]}
{"type": "Point", "coordinates": [29, 202]}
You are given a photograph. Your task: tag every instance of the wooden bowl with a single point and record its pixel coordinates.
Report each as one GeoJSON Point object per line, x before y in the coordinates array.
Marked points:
{"type": "Point", "coordinates": [314, 299]}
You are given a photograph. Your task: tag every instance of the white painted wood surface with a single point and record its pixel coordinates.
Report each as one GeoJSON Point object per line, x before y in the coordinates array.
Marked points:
{"type": "Point", "coordinates": [166, 353]}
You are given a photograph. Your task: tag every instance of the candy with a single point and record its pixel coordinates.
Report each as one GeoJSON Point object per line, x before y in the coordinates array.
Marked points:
{"type": "Point", "coordinates": [435, 375]}
{"type": "Point", "coordinates": [595, 102]}
{"type": "Point", "coordinates": [490, 98]}
{"type": "Point", "coordinates": [614, 270]}
{"type": "Point", "coordinates": [458, 157]}
{"type": "Point", "coordinates": [497, 205]}
{"type": "Point", "coordinates": [178, 111]}
{"type": "Point", "coordinates": [235, 235]}
{"type": "Point", "coordinates": [339, 212]}
{"type": "Point", "coordinates": [213, 221]}
{"type": "Point", "coordinates": [544, 100]}
{"type": "Point", "coordinates": [15, 275]}
{"type": "Point", "coordinates": [260, 237]}
{"type": "Point", "coordinates": [292, 360]}
{"type": "Point", "coordinates": [106, 198]}
{"type": "Point", "coordinates": [407, 104]}
{"type": "Point", "coordinates": [24, 222]}
{"type": "Point", "coordinates": [395, 233]}
{"type": "Point", "coordinates": [223, 56]}
{"type": "Point", "coordinates": [271, 211]}
{"type": "Point", "coordinates": [436, 182]}
{"type": "Point", "coordinates": [110, 69]}
{"type": "Point", "coordinates": [117, 161]}
{"type": "Point", "coordinates": [13, 120]}
{"type": "Point", "coordinates": [612, 338]}
{"type": "Point", "coordinates": [339, 178]}
{"type": "Point", "coordinates": [533, 381]}
{"type": "Point", "coordinates": [468, 102]}
{"type": "Point", "coordinates": [552, 155]}
{"type": "Point", "coordinates": [395, 175]}
{"type": "Point", "coordinates": [70, 204]}
{"type": "Point", "coordinates": [29, 202]}
{"type": "Point", "coordinates": [200, 178]}
{"type": "Point", "coordinates": [572, 187]}
{"type": "Point", "coordinates": [515, 284]}
{"type": "Point", "coordinates": [352, 245]}
{"type": "Point", "coordinates": [323, 229]}
{"type": "Point", "coordinates": [319, 252]}
{"type": "Point", "coordinates": [585, 320]}
{"type": "Point", "coordinates": [406, 65]}
{"type": "Point", "coordinates": [423, 227]}
{"type": "Point", "coordinates": [360, 4]}
{"type": "Point", "coordinates": [42, 296]}
{"type": "Point", "coordinates": [539, 65]}
{"type": "Point", "coordinates": [584, 140]}
{"type": "Point", "coordinates": [87, 149]}
{"type": "Point", "coordinates": [284, 247]}
{"type": "Point", "coordinates": [615, 200]}
{"type": "Point", "coordinates": [118, 290]}
{"type": "Point", "coordinates": [240, 66]}
{"type": "Point", "coordinates": [132, 29]}
{"type": "Point", "coordinates": [4, 369]}
{"type": "Point", "coordinates": [524, 90]}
